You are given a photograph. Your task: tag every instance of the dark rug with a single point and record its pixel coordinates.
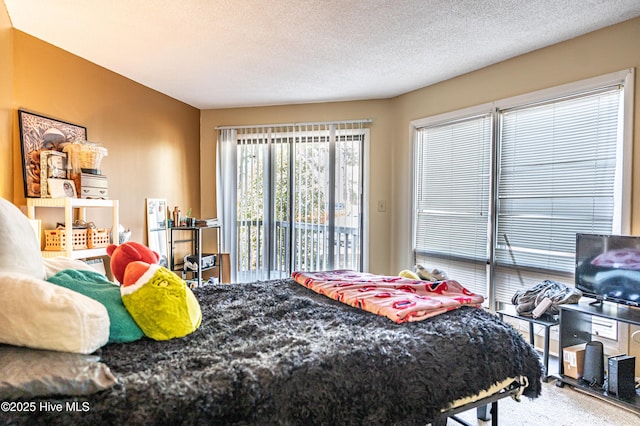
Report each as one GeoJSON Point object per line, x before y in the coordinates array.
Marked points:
{"type": "Point", "coordinates": [275, 352]}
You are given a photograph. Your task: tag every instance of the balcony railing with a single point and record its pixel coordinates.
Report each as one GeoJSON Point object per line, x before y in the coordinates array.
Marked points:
{"type": "Point", "coordinates": [309, 241]}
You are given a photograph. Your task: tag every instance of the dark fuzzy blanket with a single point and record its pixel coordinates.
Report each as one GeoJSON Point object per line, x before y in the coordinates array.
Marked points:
{"type": "Point", "coordinates": [277, 353]}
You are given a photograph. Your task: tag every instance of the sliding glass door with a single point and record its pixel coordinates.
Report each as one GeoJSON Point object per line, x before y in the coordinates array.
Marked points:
{"type": "Point", "coordinates": [299, 200]}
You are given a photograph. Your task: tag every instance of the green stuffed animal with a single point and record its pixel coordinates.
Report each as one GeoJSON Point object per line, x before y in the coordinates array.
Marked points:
{"type": "Point", "coordinates": [159, 301]}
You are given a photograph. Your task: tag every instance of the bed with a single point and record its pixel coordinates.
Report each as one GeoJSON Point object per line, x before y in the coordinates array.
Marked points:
{"type": "Point", "coordinates": [276, 352]}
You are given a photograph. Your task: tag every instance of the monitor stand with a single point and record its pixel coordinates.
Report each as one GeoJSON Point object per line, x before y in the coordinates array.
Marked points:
{"type": "Point", "coordinates": [597, 302]}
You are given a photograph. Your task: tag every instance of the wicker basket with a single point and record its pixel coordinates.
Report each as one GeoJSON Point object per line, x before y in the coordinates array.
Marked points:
{"type": "Point", "coordinates": [56, 240]}
{"type": "Point", "coordinates": [99, 237]}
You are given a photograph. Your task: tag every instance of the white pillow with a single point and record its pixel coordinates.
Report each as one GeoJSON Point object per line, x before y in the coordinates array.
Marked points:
{"type": "Point", "coordinates": [19, 249]}
{"type": "Point", "coordinates": [41, 315]}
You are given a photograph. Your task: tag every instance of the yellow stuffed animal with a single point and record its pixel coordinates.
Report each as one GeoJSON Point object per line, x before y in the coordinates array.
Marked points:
{"type": "Point", "coordinates": [409, 274]}
{"type": "Point", "coordinates": [159, 301]}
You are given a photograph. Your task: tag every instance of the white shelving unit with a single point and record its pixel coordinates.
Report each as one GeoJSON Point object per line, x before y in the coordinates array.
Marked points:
{"type": "Point", "coordinates": [81, 205]}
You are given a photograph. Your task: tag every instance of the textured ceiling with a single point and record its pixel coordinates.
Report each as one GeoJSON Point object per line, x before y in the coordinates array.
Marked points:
{"type": "Point", "coordinates": [231, 53]}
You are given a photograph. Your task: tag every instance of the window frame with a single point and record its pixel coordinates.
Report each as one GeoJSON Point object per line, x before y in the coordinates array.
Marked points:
{"type": "Point", "coordinates": [268, 135]}
{"type": "Point", "coordinates": [625, 77]}
{"type": "Point", "coordinates": [474, 267]}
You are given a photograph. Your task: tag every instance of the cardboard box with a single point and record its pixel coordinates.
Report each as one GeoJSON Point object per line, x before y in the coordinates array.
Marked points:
{"type": "Point", "coordinates": [573, 360]}
{"type": "Point", "coordinates": [225, 264]}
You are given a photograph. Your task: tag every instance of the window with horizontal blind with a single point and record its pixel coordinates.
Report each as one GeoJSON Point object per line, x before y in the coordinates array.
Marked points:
{"type": "Point", "coordinates": [556, 178]}
{"type": "Point", "coordinates": [558, 169]}
{"type": "Point", "coordinates": [452, 197]}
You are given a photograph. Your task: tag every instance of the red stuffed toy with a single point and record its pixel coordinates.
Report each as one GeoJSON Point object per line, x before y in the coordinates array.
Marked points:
{"type": "Point", "coordinates": [123, 254]}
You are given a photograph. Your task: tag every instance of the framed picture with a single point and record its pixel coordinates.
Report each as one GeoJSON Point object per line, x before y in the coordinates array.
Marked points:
{"type": "Point", "coordinates": [53, 165]}
{"type": "Point", "coordinates": [38, 133]}
{"type": "Point", "coordinates": [62, 188]}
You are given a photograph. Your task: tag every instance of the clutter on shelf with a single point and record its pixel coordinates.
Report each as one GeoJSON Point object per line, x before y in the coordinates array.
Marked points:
{"type": "Point", "coordinates": [83, 164]}
{"type": "Point", "coordinates": [86, 157]}
{"type": "Point", "coordinates": [526, 301]}
{"type": "Point", "coordinates": [85, 235]}
{"type": "Point", "coordinates": [124, 235]}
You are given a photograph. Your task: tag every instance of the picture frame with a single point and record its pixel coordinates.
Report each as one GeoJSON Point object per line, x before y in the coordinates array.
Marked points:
{"type": "Point", "coordinates": [38, 133]}
{"type": "Point", "coordinates": [53, 165]}
{"type": "Point", "coordinates": [62, 188]}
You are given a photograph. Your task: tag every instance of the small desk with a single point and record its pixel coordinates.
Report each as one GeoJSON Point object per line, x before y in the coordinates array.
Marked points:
{"type": "Point", "coordinates": [546, 321]}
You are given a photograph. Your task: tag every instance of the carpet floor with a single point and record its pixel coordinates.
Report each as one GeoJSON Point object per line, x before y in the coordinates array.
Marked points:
{"type": "Point", "coordinates": [558, 407]}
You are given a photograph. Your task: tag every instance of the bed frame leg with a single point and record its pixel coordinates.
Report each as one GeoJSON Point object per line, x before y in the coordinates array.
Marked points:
{"type": "Point", "coordinates": [485, 413]}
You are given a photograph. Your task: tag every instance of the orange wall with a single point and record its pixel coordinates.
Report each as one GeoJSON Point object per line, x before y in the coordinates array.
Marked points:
{"type": "Point", "coordinates": [6, 104]}
{"type": "Point", "coordinates": [153, 140]}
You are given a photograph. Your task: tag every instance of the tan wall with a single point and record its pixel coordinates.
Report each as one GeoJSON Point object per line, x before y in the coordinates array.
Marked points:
{"type": "Point", "coordinates": [153, 140]}
{"type": "Point", "coordinates": [380, 152]}
{"type": "Point", "coordinates": [6, 104]}
{"type": "Point", "coordinates": [611, 49]}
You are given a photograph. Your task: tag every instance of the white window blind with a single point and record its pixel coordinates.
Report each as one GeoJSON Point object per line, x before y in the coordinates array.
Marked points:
{"type": "Point", "coordinates": [561, 166]}
{"type": "Point", "coordinates": [452, 198]}
{"type": "Point", "coordinates": [557, 170]}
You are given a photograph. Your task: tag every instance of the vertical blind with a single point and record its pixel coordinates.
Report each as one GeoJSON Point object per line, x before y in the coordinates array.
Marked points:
{"type": "Point", "coordinates": [295, 195]}
{"type": "Point", "coordinates": [499, 228]}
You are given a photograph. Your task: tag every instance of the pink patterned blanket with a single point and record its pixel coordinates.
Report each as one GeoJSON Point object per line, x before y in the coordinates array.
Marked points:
{"type": "Point", "coordinates": [399, 299]}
